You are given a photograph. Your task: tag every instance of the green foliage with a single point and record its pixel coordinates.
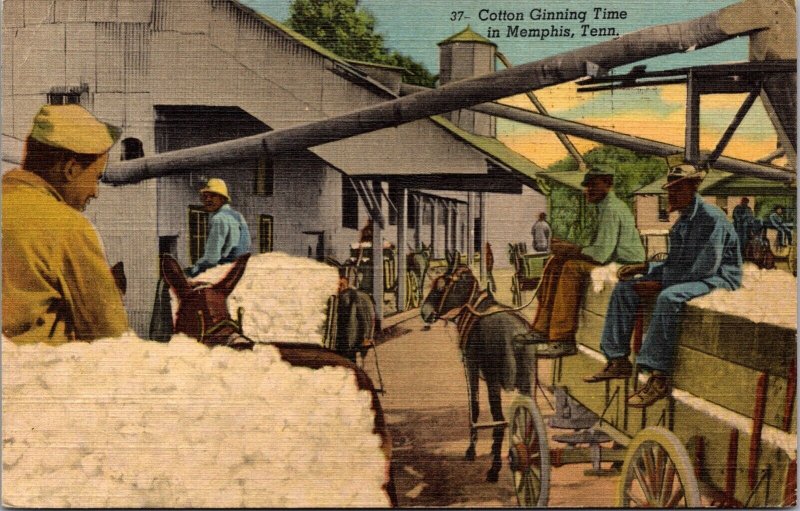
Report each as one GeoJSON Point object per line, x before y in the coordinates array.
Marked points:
{"type": "Point", "coordinates": [765, 205]}
{"type": "Point", "coordinates": [349, 31]}
{"type": "Point", "coordinates": [572, 218]}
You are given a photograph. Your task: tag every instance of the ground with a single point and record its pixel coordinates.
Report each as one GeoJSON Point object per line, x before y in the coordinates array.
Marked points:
{"type": "Point", "coordinates": [426, 408]}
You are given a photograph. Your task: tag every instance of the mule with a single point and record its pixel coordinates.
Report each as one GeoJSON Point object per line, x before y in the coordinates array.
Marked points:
{"type": "Point", "coordinates": [203, 314]}
{"type": "Point", "coordinates": [487, 330]}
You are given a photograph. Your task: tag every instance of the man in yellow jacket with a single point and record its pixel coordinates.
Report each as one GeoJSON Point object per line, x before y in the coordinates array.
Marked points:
{"type": "Point", "coordinates": [57, 285]}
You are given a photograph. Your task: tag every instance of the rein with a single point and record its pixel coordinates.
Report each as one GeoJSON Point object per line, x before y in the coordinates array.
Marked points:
{"type": "Point", "coordinates": [467, 315]}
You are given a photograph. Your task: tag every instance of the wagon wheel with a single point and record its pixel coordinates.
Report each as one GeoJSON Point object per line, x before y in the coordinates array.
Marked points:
{"type": "Point", "coordinates": [516, 294]}
{"type": "Point", "coordinates": [528, 454]}
{"type": "Point", "coordinates": [657, 472]}
{"type": "Point", "coordinates": [412, 291]}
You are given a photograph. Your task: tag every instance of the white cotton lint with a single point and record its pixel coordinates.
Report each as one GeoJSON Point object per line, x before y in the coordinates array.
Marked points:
{"type": "Point", "coordinates": [603, 276]}
{"type": "Point", "coordinates": [284, 297]}
{"type": "Point", "coordinates": [131, 423]}
{"type": "Point", "coordinates": [766, 296]}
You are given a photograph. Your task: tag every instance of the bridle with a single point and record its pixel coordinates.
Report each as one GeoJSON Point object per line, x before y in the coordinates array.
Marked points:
{"type": "Point", "coordinates": [451, 280]}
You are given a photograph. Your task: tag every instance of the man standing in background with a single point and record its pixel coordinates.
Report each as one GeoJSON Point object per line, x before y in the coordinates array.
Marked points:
{"type": "Point", "coordinates": [541, 234]}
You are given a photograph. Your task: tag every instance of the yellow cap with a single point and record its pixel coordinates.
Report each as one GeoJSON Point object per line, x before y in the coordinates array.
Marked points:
{"type": "Point", "coordinates": [218, 186]}
{"type": "Point", "coordinates": [73, 128]}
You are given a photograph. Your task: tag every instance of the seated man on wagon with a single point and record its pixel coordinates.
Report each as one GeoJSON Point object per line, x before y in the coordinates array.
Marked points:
{"type": "Point", "coordinates": [228, 235]}
{"type": "Point", "coordinates": [567, 272]}
{"type": "Point", "coordinates": [703, 255]}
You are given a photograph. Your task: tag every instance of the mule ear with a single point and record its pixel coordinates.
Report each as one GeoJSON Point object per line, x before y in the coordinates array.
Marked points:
{"type": "Point", "coordinates": [457, 258]}
{"type": "Point", "coordinates": [230, 280]}
{"type": "Point", "coordinates": [173, 275]}
{"type": "Point", "coordinates": [452, 263]}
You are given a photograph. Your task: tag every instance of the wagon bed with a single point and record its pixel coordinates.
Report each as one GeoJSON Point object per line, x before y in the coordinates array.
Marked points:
{"type": "Point", "coordinates": [729, 427]}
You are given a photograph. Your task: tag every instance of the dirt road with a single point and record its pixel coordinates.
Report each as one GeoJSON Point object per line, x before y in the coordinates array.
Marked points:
{"type": "Point", "coordinates": [426, 408]}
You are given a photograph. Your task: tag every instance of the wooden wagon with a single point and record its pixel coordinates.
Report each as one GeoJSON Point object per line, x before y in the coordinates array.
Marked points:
{"type": "Point", "coordinates": [528, 270]}
{"type": "Point", "coordinates": [726, 436]}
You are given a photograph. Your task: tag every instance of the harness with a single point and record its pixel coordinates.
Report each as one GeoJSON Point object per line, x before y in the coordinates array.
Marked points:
{"type": "Point", "coordinates": [468, 314]}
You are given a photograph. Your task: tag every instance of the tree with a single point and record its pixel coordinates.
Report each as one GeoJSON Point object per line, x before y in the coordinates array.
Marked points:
{"type": "Point", "coordinates": [349, 31]}
{"type": "Point", "coordinates": [571, 217]}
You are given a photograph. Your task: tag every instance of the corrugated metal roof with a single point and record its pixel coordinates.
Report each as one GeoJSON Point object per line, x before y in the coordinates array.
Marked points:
{"type": "Point", "coordinates": [570, 178]}
{"type": "Point", "coordinates": [712, 178]}
{"type": "Point", "coordinates": [467, 36]}
{"type": "Point", "coordinates": [747, 185]}
{"type": "Point", "coordinates": [300, 38]}
{"type": "Point", "coordinates": [493, 148]}
{"type": "Point", "coordinates": [375, 64]}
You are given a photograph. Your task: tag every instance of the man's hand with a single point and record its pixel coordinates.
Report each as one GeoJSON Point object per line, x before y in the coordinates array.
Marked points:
{"type": "Point", "coordinates": [629, 271]}
{"type": "Point", "coordinates": [564, 248]}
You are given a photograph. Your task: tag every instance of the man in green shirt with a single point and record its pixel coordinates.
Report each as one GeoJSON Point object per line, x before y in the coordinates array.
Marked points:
{"type": "Point", "coordinates": [567, 272]}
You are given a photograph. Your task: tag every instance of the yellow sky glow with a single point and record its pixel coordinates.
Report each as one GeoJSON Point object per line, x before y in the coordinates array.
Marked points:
{"type": "Point", "coordinates": [755, 138]}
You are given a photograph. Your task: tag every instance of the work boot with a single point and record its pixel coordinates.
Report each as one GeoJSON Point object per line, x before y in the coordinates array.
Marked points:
{"type": "Point", "coordinates": [657, 387]}
{"type": "Point", "coordinates": [531, 337]}
{"type": "Point", "coordinates": [615, 368]}
{"type": "Point", "coordinates": [557, 349]}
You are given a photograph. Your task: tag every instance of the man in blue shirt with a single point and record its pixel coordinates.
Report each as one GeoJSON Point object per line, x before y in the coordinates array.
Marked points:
{"type": "Point", "coordinates": [776, 222]}
{"type": "Point", "coordinates": [228, 235]}
{"type": "Point", "coordinates": [703, 255]}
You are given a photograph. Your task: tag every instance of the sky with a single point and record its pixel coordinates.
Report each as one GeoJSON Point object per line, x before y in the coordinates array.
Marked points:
{"type": "Point", "coordinates": [414, 28]}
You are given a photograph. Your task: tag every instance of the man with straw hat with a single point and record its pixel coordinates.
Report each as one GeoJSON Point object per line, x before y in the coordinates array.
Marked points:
{"type": "Point", "coordinates": [57, 285]}
{"type": "Point", "coordinates": [703, 255]}
{"type": "Point", "coordinates": [228, 234]}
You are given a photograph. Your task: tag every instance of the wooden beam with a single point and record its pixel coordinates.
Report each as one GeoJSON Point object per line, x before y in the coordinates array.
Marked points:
{"type": "Point", "coordinates": [692, 137]}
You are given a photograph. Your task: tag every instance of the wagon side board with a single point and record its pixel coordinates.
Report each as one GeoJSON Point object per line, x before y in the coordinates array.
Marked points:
{"type": "Point", "coordinates": [733, 404]}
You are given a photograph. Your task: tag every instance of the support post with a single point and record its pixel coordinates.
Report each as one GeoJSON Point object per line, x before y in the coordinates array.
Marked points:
{"type": "Point", "coordinates": [482, 229]}
{"type": "Point", "coordinates": [448, 227]}
{"type": "Point", "coordinates": [418, 228]}
{"type": "Point", "coordinates": [692, 138]}
{"type": "Point", "coordinates": [377, 255]}
{"type": "Point", "coordinates": [402, 224]}
{"type": "Point", "coordinates": [470, 228]}
{"type": "Point", "coordinates": [433, 228]}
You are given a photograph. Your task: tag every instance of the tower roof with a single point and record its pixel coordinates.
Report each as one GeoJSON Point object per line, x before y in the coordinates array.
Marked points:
{"type": "Point", "coordinates": [467, 36]}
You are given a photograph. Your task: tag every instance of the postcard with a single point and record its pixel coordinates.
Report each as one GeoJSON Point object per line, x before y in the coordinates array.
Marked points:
{"type": "Point", "coordinates": [343, 253]}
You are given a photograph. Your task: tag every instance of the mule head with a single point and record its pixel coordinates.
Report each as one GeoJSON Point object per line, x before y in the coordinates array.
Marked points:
{"type": "Point", "coordinates": [203, 307]}
{"type": "Point", "coordinates": [450, 291]}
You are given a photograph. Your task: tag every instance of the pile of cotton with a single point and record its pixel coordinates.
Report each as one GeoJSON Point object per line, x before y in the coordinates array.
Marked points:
{"type": "Point", "coordinates": [130, 423]}
{"type": "Point", "coordinates": [284, 297]}
{"type": "Point", "coordinates": [603, 276]}
{"type": "Point", "coordinates": [766, 296]}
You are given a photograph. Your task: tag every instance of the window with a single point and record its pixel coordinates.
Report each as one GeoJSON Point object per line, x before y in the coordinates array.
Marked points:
{"type": "Point", "coordinates": [68, 95]}
{"type": "Point", "coordinates": [131, 149]}
{"type": "Point", "coordinates": [265, 234]}
{"type": "Point", "coordinates": [663, 208]}
{"type": "Point", "coordinates": [265, 177]}
{"type": "Point", "coordinates": [349, 204]}
{"type": "Point", "coordinates": [198, 232]}
{"type": "Point", "coordinates": [442, 218]}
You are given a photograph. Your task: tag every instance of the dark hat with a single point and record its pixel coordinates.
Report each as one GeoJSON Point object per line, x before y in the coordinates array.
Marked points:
{"type": "Point", "coordinates": [600, 169]}
{"type": "Point", "coordinates": [683, 172]}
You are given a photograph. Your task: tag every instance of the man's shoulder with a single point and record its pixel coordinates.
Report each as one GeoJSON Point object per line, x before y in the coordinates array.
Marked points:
{"type": "Point", "coordinates": [712, 212]}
